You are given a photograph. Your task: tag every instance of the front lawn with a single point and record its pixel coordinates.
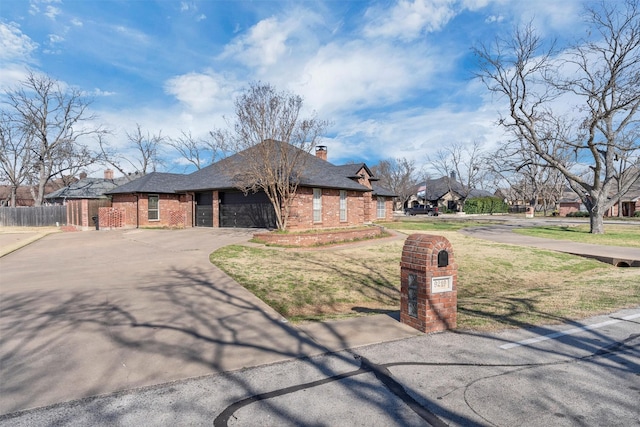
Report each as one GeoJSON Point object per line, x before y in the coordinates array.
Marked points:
{"type": "Point", "coordinates": [499, 285]}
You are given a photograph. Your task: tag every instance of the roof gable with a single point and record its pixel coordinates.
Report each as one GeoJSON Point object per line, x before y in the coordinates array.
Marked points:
{"type": "Point", "coordinates": [315, 173]}
{"type": "Point", "coordinates": [87, 188]}
{"type": "Point", "coordinates": [154, 182]}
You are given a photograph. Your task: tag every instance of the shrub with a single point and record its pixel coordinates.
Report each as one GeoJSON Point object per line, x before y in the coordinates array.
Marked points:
{"type": "Point", "coordinates": [578, 214]}
{"type": "Point", "coordinates": [485, 205]}
{"type": "Point", "coordinates": [636, 214]}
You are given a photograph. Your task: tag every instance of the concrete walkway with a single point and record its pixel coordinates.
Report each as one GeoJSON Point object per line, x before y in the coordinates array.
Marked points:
{"type": "Point", "coordinates": [616, 255]}
{"type": "Point", "coordinates": [88, 313]}
{"type": "Point", "coordinates": [14, 238]}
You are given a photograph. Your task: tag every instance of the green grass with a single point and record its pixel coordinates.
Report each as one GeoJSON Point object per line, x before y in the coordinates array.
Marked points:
{"type": "Point", "coordinates": [616, 235]}
{"type": "Point", "coordinates": [499, 285]}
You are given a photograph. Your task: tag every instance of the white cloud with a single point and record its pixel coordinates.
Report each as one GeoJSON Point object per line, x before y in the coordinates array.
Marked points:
{"type": "Point", "coordinates": [132, 34]}
{"type": "Point", "coordinates": [408, 19]}
{"type": "Point", "coordinates": [14, 45]}
{"type": "Point", "coordinates": [77, 22]}
{"type": "Point", "coordinates": [54, 38]}
{"type": "Point", "coordinates": [412, 133]}
{"type": "Point", "coordinates": [277, 45]}
{"type": "Point", "coordinates": [551, 17]}
{"type": "Point", "coordinates": [201, 17]}
{"type": "Point", "coordinates": [52, 12]}
{"type": "Point", "coordinates": [101, 93]}
{"type": "Point", "coordinates": [264, 44]}
{"type": "Point", "coordinates": [494, 18]}
{"type": "Point", "coordinates": [200, 92]}
{"type": "Point", "coordinates": [356, 75]}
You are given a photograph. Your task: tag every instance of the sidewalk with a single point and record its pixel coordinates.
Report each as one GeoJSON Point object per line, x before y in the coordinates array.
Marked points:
{"type": "Point", "coordinates": [616, 255]}
{"type": "Point", "coordinates": [14, 238]}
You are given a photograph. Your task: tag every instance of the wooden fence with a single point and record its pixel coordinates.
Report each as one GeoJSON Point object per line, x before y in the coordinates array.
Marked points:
{"type": "Point", "coordinates": [33, 216]}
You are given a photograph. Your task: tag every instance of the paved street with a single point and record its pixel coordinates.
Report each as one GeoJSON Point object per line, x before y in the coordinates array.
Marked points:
{"type": "Point", "coordinates": [589, 377]}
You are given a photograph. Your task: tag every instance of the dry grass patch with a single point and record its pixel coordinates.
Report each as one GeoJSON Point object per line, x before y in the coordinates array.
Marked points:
{"type": "Point", "coordinates": [499, 285]}
{"type": "Point", "coordinates": [305, 285]}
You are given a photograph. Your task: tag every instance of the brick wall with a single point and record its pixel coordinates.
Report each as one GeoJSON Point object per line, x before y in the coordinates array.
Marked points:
{"type": "Point", "coordinates": [319, 238]}
{"type": "Point", "coordinates": [301, 215]}
{"type": "Point", "coordinates": [175, 210]}
{"type": "Point", "coordinates": [566, 208]}
{"type": "Point", "coordinates": [111, 218]}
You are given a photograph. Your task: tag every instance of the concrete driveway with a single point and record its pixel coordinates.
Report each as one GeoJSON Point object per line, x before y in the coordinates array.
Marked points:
{"type": "Point", "coordinates": [87, 313]}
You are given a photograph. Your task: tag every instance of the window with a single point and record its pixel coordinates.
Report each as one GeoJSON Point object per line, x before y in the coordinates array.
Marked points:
{"type": "Point", "coordinates": [317, 205]}
{"type": "Point", "coordinates": [154, 211]}
{"type": "Point", "coordinates": [382, 213]}
{"type": "Point", "coordinates": [343, 205]}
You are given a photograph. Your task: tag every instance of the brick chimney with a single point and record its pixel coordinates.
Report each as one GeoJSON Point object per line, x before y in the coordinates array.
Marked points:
{"type": "Point", "coordinates": [108, 174]}
{"type": "Point", "coordinates": [321, 152]}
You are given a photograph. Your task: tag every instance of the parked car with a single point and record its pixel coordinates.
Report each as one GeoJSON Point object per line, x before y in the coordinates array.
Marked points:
{"type": "Point", "coordinates": [422, 210]}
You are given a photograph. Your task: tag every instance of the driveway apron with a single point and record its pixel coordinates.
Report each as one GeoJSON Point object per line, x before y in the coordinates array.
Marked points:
{"type": "Point", "coordinates": [93, 312]}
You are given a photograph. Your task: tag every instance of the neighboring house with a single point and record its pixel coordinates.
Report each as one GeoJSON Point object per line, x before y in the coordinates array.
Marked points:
{"type": "Point", "coordinates": [84, 197]}
{"type": "Point", "coordinates": [570, 202]}
{"type": "Point", "coordinates": [328, 196]}
{"type": "Point", "coordinates": [630, 203]}
{"type": "Point", "coordinates": [23, 196]}
{"type": "Point", "coordinates": [25, 193]}
{"type": "Point", "coordinates": [447, 193]}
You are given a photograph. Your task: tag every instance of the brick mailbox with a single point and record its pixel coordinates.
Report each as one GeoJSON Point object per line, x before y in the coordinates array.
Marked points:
{"type": "Point", "coordinates": [429, 275]}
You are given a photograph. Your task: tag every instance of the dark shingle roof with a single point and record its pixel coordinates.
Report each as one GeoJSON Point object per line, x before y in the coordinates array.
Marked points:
{"type": "Point", "coordinates": [316, 173]}
{"type": "Point", "coordinates": [381, 191]}
{"type": "Point", "coordinates": [155, 182]}
{"type": "Point", "coordinates": [87, 188]}
{"type": "Point", "coordinates": [437, 188]}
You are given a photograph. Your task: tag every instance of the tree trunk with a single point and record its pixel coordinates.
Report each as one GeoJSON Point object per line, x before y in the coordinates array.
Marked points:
{"type": "Point", "coordinates": [596, 221]}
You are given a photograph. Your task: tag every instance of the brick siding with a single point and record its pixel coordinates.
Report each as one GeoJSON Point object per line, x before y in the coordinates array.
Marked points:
{"type": "Point", "coordinates": [319, 238]}
{"type": "Point", "coordinates": [175, 210]}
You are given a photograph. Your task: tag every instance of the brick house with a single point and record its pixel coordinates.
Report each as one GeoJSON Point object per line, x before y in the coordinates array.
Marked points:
{"type": "Point", "coordinates": [84, 197]}
{"type": "Point", "coordinates": [629, 203]}
{"type": "Point", "coordinates": [328, 196]}
{"type": "Point", "coordinates": [446, 193]}
{"type": "Point", "coordinates": [25, 194]}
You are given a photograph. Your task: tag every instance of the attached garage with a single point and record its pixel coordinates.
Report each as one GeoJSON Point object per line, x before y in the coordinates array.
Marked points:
{"type": "Point", "coordinates": [253, 210]}
{"type": "Point", "coordinates": [204, 209]}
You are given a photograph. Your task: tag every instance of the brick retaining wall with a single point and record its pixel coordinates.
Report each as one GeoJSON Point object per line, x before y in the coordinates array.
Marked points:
{"type": "Point", "coordinates": [320, 238]}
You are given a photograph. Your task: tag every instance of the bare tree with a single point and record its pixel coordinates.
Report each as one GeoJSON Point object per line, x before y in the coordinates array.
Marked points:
{"type": "Point", "coordinates": [142, 154]}
{"type": "Point", "coordinates": [15, 154]}
{"type": "Point", "coordinates": [199, 152]}
{"type": "Point", "coordinates": [462, 165]}
{"type": "Point", "coordinates": [602, 74]}
{"type": "Point", "coordinates": [273, 142]}
{"type": "Point", "coordinates": [53, 121]}
{"type": "Point", "coordinates": [397, 175]}
{"type": "Point", "coordinates": [535, 183]}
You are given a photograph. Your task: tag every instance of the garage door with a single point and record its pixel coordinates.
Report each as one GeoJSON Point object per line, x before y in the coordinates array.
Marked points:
{"type": "Point", "coordinates": [204, 209]}
{"type": "Point", "coordinates": [250, 211]}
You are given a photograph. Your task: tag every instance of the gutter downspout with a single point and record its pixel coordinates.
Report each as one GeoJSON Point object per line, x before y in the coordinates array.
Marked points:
{"type": "Point", "coordinates": [137, 210]}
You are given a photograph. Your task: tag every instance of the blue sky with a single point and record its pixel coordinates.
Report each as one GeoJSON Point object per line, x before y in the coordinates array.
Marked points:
{"type": "Point", "coordinates": [393, 77]}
